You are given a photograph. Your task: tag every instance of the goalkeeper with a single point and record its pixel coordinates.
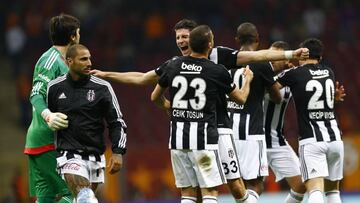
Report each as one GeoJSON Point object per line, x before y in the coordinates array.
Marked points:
{"type": "Point", "coordinates": [44, 181]}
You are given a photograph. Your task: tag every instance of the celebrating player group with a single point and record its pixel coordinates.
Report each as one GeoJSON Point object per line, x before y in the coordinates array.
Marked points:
{"type": "Point", "coordinates": [226, 109]}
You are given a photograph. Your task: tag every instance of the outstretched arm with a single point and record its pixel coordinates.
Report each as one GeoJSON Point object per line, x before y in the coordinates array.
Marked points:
{"type": "Point", "coordinates": [245, 57]}
{"type": "Point", "coordinates": [130, 78]}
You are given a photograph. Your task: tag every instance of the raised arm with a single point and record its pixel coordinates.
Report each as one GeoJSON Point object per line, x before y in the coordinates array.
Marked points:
{"type": "Point", "coordinates": [240, 95]}
{"type": "Point", "coordinates": [130, 78]}
{"type": "Point", "coordinates": [245, 57]}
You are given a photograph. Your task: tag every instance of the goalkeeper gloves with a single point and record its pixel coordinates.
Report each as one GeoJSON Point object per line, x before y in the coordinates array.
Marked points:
{"type": "Point", "coordinates": [55, 121]}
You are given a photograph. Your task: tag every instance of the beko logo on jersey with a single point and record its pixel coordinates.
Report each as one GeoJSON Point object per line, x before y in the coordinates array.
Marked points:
{"type": "Point", "coordinates": [191, 67]}
{"type": "Point", "coordinates": [319, 73]}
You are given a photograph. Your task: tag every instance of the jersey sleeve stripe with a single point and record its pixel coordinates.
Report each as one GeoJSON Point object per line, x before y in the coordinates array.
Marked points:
{"type": "Point", "coordinates": [122, 140]}
{"type": "Point", "coordinates": [53, 82]}
{"type": "Point", "coordinates": [53, 61]}
{"type": "Point", "coordinates": [52, 56]}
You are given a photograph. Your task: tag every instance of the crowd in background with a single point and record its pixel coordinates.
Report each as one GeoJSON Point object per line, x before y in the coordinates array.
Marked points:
{"type": "Point", "coordinates": [128, 35]}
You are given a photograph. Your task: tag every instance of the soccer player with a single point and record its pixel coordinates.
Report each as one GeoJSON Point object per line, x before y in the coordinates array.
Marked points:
{"type": "Point", "coordinates": [88, 101]}
{"type": "Point", "coordinates": [248, 119]}
{"type": "Point", "coordinates": [44, 181]}
{"type": "Point", "coordinates": [321, 149]}
{"type": "Point", "coordinates": [220, 55]}
{"type": "Point", "coordinates": [281, 157]}
{"type": "Point", "coordinates": [194, 84]}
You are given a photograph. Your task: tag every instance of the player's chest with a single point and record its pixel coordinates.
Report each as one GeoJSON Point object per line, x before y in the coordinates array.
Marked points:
{"type": "Point", "coordinates": [77, 98]}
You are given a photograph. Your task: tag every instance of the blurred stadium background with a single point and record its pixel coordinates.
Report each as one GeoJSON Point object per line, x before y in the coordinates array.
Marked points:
{"type": "Point", "coordinates": [130, 35]}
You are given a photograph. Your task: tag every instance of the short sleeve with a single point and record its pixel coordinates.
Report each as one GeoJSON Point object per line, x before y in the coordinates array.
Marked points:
{"type": "Point", "coordinates": [224, 56]}
{"type": "Point", "coordinates": [160, 70]}
{"type": "Point", "coordinates": [286, 77]}
{"type": "Point", "coordinates": [267, 73]}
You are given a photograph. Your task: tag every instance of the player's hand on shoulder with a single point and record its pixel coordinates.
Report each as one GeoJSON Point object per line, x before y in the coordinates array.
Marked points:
{"type": "Point", "coordinates": [115, 163]}
{"type": "Point", "coordinates": [301, 53]}
{"type": "Point", "coordinates": [97, 73]}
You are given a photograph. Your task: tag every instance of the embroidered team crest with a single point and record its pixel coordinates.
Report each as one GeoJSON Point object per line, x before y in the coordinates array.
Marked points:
{"type": "Point", "coordinates": [231, 153]}
{"type": "Point", "coordinates": [91, 95]}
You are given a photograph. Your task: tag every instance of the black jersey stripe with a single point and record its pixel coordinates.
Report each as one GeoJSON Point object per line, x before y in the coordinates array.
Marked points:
{"type": "Point", "coordinates": [317, 131]}
{"type": "Point", "coordinates": [279, 128]}
{"type": "Point", "coordinates": [330, 130]}
{"type": "Point", "coordinates": [185, 139]}
{"type": "Point", "coordinates": [268, 119]}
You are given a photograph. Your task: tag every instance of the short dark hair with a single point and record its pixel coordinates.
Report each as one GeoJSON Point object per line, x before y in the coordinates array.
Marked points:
{"type": "Point", "coordinates": [281, 45]}
{"type": "Point", "coordinates": [200, 38]}
{"type": "Point", "coordinates": [315, 47]}
{"type": "Point", "coordinates": [62, 28]}
{"type": "Point", "coordinates": [247, 33]}
{"type": "Point", "coordinates": [185, 24]}
{"type": "Point", "coordinates": [73, 50]}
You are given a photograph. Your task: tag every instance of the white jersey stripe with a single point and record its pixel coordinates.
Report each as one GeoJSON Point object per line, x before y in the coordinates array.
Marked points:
{"type": "Point", "coordinates": [336, 129]}
{"type": "Point", "coordinates": [236, 121]}
{"type": "Point", "coordinates": [48, 61]}
{"type": "Point", "coordinates": [323, 130]}
{"type": "Point", "coordinates": [193, 133]}
{"type": "Point", "coordinates": [53, 82]}
{"type": "Point", "coordinates": [52, 61]}
{"type": "Point", "coordinates": [179, 135]}
{"type": "Point", "coordinates": [247, 124]}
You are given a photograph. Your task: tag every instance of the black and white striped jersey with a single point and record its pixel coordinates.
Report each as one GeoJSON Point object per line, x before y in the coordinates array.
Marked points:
{"type": "Point", "coordinates": [274, 118]}
{"type": "Point", "coordinates": [227, 57]}
{"type": "Point", "coordinates": [313, 89]}
{"type": "Point", "coordinates": [194, 85]}
{"type": "Point", "coordinates": [248, 118]}
{"type": "Point", "coordinates": [88, 103]}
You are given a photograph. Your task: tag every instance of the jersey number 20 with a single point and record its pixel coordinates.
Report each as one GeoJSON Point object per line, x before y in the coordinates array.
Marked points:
{"type": "Point", "coordinates": [315, 102]}
{"type": "Point", "coordinates": [198, 84]}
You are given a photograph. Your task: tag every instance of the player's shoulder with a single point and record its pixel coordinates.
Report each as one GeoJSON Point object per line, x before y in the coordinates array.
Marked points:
{"type": "Point", "coordinates": [288, 72]}
{"type": "Point", "coordinates": [99, 81]}
{"type": "Point", "coordinates": [49, 59]}
{"type": "Point", "coordinates": [57, 81]}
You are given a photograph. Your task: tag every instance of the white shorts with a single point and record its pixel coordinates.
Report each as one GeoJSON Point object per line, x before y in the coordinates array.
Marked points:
{"type": "Point", "coordinates": [283, 162]}
{"type": "Point", "coordinates": [88, 167]}
{"type": "Point", "coordinates": [197, 168]}
{"type": "Point", "coordinates": [322, 159]}
{"type": "Point", "coordinates": [228, 155]}
{"type": "Point", "coordinates": [252, 158]}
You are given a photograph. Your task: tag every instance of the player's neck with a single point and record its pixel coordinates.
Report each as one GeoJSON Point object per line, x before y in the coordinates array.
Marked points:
{"type": "Point", "coordinates": [309, 61]}
{"type": "Point", "coordinates": [247, 48]}
{"type": "Point", "coordinates": [199, 55]}
{"type": "Point", "coordinates": [62, 49]}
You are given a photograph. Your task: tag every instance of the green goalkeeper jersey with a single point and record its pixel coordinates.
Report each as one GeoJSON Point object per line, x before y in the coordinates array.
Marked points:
{"type": "Point", "coordinates": [40, 138]}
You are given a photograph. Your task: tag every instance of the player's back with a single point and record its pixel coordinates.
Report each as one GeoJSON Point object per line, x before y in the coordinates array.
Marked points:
{"type": "Point", "coordinates": [313, 89]}
{"type": "Point", "coordinates": [194, 85]}
{"type": "Point", "coordinates": [248, 118]}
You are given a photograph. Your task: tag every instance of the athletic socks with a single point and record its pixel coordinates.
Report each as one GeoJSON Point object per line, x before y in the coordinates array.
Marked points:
{"type": "Point", "coordinates": [209, 199]}
{"type": "Point", "coordinates": [316, 196]}
{"type": "Point", "coordinates": [187, 199]}
{"type": "Point", "coordinates": [252, 198]}
{"type": "Point", "coordinates": [333, 196]}
{"type": "Point", "coordinates": [294, 197]}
